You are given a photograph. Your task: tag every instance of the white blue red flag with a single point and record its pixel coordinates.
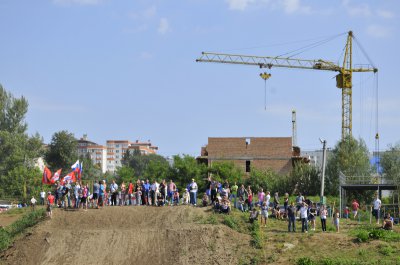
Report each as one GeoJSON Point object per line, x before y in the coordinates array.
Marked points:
{"type": "Point", "coordinates": [56, 176]}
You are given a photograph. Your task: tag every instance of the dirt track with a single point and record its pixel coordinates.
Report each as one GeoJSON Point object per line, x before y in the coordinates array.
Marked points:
{"type": "Point", "coordinates": [127, 235]}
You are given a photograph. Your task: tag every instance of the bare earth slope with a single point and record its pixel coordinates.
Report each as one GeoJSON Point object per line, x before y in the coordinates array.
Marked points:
{"type": "Point", "coordinates": [127, 235]}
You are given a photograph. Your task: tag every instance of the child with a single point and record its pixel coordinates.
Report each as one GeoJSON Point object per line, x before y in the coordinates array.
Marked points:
{"type": "Point", "coordinates": [336, 220]}
{"type": "Point", "coordinates": [253, 215]}
{"type": "Point", "coordinates": [264, 213]}
{"type": "Point", "coordinates": [205, 200]}
{"type": "Point", "coordinates": [346, 212]}
{"type": "Point", "coordinates": [176, 197]}
{"type": "Point", "coordinates": [241, 204]}
{"type": "Point", "coordinates": [185, 197]}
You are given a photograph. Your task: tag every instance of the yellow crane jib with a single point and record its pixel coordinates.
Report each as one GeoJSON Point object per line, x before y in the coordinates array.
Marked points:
{"type": "Point", "coordinates": [343, 78]}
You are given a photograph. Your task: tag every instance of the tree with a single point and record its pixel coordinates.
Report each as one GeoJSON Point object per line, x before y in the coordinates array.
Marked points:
{"type": "Point", "coordinates": [390, 162]}
{"type": "Point", "coordinates": [140, 164]}
{"type": "Point", "coordinates": [62, 151]}
{"type": "Point", "coordinates": [125, 174]}
{"type": "Point", "coordinates": [225, 170]}
{"type": "Point", "coordinates": [89, 171]}
{"type": "Point", "coordinates": [350, 157]}
{"type": "Point", "coordinates": [305, 179]}
{"type": "Point", "coordinates": [17, 150]}
{"type": "Point", "coordinates": [185, 169]}
{"type": "Point", "coordinates": [12, 112]}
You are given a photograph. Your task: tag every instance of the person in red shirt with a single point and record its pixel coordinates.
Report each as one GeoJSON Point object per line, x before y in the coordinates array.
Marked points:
{"type": "Point", "coordinates": [50, 202]}
{"type": "Point", "coordinates": [355, 206]}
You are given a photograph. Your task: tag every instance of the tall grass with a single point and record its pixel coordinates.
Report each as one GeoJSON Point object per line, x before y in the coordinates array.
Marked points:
{"type": "Point", "coordinates": [8, 234]}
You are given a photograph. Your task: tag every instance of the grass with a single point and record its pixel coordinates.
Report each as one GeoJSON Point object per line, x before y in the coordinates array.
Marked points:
{"type": "Point", "coordinates": [29, 219]}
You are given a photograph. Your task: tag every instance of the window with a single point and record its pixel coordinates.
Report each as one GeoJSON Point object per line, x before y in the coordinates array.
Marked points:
{"type": "Point", "coordinates": [248, 166]}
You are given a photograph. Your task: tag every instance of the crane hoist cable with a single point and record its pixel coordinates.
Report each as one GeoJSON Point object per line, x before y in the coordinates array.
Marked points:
{"type": "Point", "coordinates": [265, 76]}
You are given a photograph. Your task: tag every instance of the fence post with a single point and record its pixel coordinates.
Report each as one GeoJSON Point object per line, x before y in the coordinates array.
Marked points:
{"type": "Point", "coordinates": [370, 215]}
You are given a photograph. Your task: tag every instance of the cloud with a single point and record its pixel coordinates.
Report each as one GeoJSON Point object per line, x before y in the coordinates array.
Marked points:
{"type": "Point", "coordinates": [79, 2]}
{"type": "Point", "coordinates": [357, 10]}
{"type": "Point", "coordinates": [239, 4]}
{"type": "Point", "coordinates": [385, 13]}
{"type": "Point", "coordinates": [164, 27]}
{"type": "Point", "coordinates": [378, 31]}
{"type": "Point", "coordinates": [288, 6]}
{"type": "Point", "coordinates": [294, 6]}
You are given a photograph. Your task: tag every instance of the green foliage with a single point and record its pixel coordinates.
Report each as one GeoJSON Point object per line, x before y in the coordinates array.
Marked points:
{"type": "Point", "coordinates": [211, 219]}
{"type": "Point", "coordinates": [231, 222]}
{"type": "Point", "coordinates": [305, 261]}
{"type": "Point", "coordinates": [350, 157]}
{"type": "Point", "coordinates": [18, 151]}
{"type": "Point", "coordinates": [90, 171]}
{"type": "Point", "coordinates": [62, 151]}
{"type": "Point", "coordinates": [158, 168]}
{"type": "Point", "coordinates": [23, 182]}
{"type": "Point", "coordinates": [125, 174]}
{"type": "Point", "coordinates": [185, 169]}
{"type": "Point", "coordinates": [362, 235]}
{"type": "Point", "coordinates": [5, 239]}
{"type": "Point", "coordinates": [390, 162]}
{"type": "Point", "coordinates": [386, 250]}
{"type": "Point", "coordinates": [266, 179]}
{"type": "Point", "coordinates": [223, 170]}
{"type": "Point", "coordinates": [256, 236]}
{"type": "Point", "coordinates": [12, 113]}
{"type": "Point", "coordinates": [366, 233]}
{"type": "Point", "coordinates": [30, 219]}
{"type": "Point", "coordinates": [305, 179]}
{"type": "Point", "coordinates": [146, 166]}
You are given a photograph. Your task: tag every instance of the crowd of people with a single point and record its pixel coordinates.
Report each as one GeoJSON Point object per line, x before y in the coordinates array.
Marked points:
{"type": "Point", "coordinates": [221, 196]}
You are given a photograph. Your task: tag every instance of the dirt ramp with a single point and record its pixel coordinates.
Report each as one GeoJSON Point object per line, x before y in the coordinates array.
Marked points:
{"type": "Point", "coordinates": [128, 235]}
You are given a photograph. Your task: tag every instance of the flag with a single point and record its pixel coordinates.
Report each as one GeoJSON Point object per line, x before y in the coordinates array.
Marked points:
{"type": "Point", "coordinates": [80, 171]}
{"type": "Point", "coordinates": [46, 176]}
{"type": "Point", "coordinates": [69, 178]}
{"type": "Point", "coordinates": [76, 165]}
{"type": "Point", "coordinates": [56, 176]}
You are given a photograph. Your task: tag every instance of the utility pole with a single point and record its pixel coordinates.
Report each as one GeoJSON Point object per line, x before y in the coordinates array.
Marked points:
{"type": "Point", "coordinates": [323, 142]}
{"type": "Point", "coordinates": [294, 129]}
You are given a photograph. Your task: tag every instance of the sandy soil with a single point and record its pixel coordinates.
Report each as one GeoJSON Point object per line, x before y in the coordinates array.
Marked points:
{"type": "Point", "coordinates": [127, 235]}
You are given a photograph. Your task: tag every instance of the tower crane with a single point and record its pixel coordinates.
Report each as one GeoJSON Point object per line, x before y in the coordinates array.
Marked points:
{"type": "Point", "coordinates": [343, 78]}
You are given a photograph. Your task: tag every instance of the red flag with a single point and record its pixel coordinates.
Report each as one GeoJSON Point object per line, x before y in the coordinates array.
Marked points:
{"type": "Point", "coordinates": [46, 176]}
{"type": "Point", "coordinates": [56, 176]}
{"type": "Point", "coordinates": [70, 177]}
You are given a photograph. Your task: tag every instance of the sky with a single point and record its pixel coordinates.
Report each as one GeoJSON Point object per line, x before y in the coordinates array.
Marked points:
{"type": "Point", "coordinates": [126, 70]}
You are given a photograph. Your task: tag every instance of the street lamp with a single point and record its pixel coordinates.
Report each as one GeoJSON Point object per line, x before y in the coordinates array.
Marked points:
{"type": "Point", "coordinates": [322, 198]}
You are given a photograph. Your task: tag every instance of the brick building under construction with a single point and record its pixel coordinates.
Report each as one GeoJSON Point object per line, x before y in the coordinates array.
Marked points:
{"type": "Point", "coordinates": [274, 153]}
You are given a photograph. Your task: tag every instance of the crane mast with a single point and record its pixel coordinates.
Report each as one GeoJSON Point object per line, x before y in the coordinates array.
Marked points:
{"type": "Point", "coordinates": [343, 78]}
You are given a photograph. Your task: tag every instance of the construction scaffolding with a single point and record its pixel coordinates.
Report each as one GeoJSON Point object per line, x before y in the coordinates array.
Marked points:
{"type": "Point", "coordinates": [376, 183]}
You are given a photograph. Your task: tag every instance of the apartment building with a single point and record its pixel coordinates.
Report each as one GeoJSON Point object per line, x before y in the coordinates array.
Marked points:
{"type": "Point", "coordinates": [96, 152]}
{"type": "Point", "coordinates": [116, 150]}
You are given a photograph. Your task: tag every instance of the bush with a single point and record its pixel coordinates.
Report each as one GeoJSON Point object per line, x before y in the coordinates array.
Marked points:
{"type": "Point", "coordinates": [366, 233]}
{"type": "Point", "coordinates": [362, 236]}
{"type": "Point", "coordinates": [5, 239]}
{"type": "Point", "coordinates": [305, 261]}
{"type": "Point", "coordinates": [256, 240]}
{"type": "Point", "coordinates": [29, 219]}
{"type": "Point", "coordinates": [231, 222]}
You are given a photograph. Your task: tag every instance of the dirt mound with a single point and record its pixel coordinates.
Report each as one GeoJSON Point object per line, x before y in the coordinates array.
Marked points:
{"type": "Point", "coordinates": [127, 235]}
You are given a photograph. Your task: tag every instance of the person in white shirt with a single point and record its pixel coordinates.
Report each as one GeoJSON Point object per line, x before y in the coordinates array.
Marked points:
{"type": "Point", "coordinates": [33, 203]}
{"type": "Point", "coordinates": [377, 208]}
{"type": "Point", "coordinates": [42, 196]}
{"type": "Point", "coordinates": [303, 216]}
{"type": "Point", "coordinates": [193, 193]}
